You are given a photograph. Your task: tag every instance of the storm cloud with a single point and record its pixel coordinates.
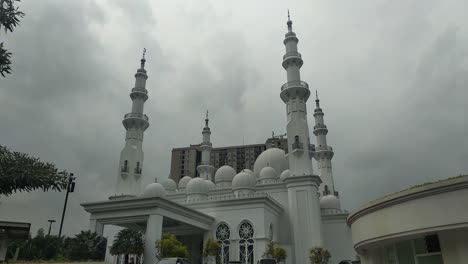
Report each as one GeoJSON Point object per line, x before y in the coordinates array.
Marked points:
{"type": "Point", "coordinates": [392, 77]}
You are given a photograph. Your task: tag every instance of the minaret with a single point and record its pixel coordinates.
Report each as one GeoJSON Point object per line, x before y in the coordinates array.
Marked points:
{"type": "Point", "coordinates": [205, 169]}
{"type": "Point", "coordinates": [323, 152]}
{"type": "Point", "coordinates": [303, 199]}
{"type": "Point", "coordinates": [135, 122]}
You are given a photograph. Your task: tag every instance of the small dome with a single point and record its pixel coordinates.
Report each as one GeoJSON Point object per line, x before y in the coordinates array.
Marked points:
{"type": "Point", "coordinates": [197, 186]}
{"type": "Point", "coordinates": [169, 185]}
{"type": "Point", "coordinates": [184, 181]}
{"type": "Point", "coordinates": [224, 174]}
{"type": "Point", "coordinates": [329, 202]}
{"type": "Point", "coordinates": [244, 180]}
{"type": "Point", "coordinates": [153, 190]}
{"type": "Point", "coordinates": [285, 174]}
{"type": "Point", "coordinates": [272, 157]}
{"type": "Point", "coordinates": [210, 184]}
{"type": "Point", "coordinates": [268, 173]}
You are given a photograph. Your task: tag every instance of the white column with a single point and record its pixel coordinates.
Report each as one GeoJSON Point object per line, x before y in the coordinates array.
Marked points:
{"type": "Point", "coordinates": [3, 248]}
{"type": "Point", "coordinates": [304, 214]}
{"type": "Point", "coordinates": [96, 226]}
{"type": "Point", "coordinates": [153, 233]}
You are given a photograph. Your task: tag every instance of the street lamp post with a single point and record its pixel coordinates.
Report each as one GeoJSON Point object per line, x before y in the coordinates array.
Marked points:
{"type": "Point", "coordinates": [70, 188]}
{"type": "Point", "coordinates": [50, 225]}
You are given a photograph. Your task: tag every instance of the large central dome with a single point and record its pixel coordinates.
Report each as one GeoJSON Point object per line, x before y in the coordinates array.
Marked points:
{"type": "Point", "coordinates": [273, 157]}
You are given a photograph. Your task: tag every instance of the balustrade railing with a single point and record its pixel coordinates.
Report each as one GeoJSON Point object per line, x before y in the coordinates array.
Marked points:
{"type": "Point", "coordinates": [294, 84]}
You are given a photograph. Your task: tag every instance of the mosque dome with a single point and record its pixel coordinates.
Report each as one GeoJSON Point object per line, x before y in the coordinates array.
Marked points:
{"type": "Point", "coordinates": [330, 202]}
{"type": "Point", "coordinates": [272, 157]}
{"type": "Point", "coordinates": [153, 190]}
{"type": "Point", "coordinates": [249, 171]}
{"type": "Point", "coordinates": [244, 181]}
{"type": "Point", "coordinates": [224, 175]}
{"type": "Point", "coordinates": [197, 186]}
{"type": "Point", "coordinates": [184, 181]}
{"type": "Point", "coordinates": [169, 185]}
{"type": "Point", "coordinates": [285, 174]}
{"type": "Point", "coordinates": [210, 184]}
{"type": "Point", "coordinates": [268, 173]}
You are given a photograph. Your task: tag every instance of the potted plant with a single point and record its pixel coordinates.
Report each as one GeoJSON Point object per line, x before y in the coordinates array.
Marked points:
{"type": "Point", "coordinates": [319, 255]}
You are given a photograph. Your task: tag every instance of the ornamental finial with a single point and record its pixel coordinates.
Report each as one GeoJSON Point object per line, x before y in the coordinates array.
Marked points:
{"type": "Point", "coordinates": [143, 60]}
{"type": "Point", "coordinates": [289, 22]}
{"type": "Point", "coordinates": [206, 119]}
{"type": "Point", "coordinates": [317, 101]}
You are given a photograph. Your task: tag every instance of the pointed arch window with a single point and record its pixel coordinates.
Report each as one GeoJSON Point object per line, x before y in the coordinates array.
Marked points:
{"type": "Point", "coordinates": [246, 243]}
{"type": "Point", "coordinates": [137, 168]}
{"type": "Point", "coordinates": [125, 166]}
{"type": "Point", "coordinates": [223, 233]}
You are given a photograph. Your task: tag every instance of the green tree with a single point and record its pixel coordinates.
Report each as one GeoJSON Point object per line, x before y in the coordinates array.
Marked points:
{"type": "Point", "coordinates": [41, 247]}
{"type": "Point", "coordinates": [9, 19]}
{"type": "Point", "coordinates": [280, 254]}
{"type": "Point", "coordinates": [21, 172]}
{"type": "Point", "coordinates": [170, 247]}
{"type": "Point", "coordinates": [319, 255]}
{"type": "Point", "coordinates": [275, 252]}
{"type": "Point", "coordinates": [212, 249]}
{"type": "Point", "coordinates": [86, 245]}
{"type": "Point", "coordinates": [128, 241]}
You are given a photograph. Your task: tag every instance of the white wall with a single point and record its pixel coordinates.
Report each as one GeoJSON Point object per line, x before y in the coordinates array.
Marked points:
{"type": "Point", "coordinates": [429, 213]}
{"type": "Point", "coordinates": [337, 238]}
{"type": "Point", "coordinates": [454, 246]}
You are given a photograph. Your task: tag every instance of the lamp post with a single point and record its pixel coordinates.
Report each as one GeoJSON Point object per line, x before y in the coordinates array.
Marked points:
{"type": "Point", "coordinates": [50, 225]}
{"type": "Point", "coordinates": [70, 188]}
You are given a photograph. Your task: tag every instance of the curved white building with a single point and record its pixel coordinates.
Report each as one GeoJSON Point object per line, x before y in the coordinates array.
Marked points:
{"type": "Point", "coordinates": [424, 224]}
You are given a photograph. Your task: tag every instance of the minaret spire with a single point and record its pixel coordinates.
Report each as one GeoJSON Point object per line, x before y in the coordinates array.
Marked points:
{"type": "Point", "coordinates": [143, 60]}
{"type": "Point", "coordinates": [317, 101]}
{"type": "Point", "coordinates": [205, 169]}
{"type": "Point", "coordinates": [324, 153]}
{"type": "Point", "coordinates": [302, 185]}
{"type": "Point", "coordinates": [135, 123]}
{"type": "Point", "coordinates": [289, 23]}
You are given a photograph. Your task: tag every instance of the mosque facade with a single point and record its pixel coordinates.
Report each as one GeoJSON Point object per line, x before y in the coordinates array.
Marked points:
{"type": "Point", "coordinates": [280, 200]}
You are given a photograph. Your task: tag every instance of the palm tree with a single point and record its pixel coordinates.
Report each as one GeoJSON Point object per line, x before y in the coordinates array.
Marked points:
{"type": "Point", "coordinates": [86, 245]}
{"type": "Point", "coordinates": [128, 241]}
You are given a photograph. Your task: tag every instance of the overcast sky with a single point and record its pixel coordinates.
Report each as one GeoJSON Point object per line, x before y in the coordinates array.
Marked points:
{"type": "Point", "coordinates": [392, 77]}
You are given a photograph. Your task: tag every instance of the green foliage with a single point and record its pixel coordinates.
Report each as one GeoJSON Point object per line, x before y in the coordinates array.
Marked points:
{"type": "Point", "coordinates": [319, 255]}
{"type": "Point", "coordinates": [270, 250]}
{"type": "Point", "coordinates": [9, 19]}
{"type": "Point", "coordinates": [84, 246]}
{"type": "Point", "coordinates": [275, 252]}
{"type": "Point", "coordinates": [128, 241]}
{"type": "Point", "coordinates": [4, 61]}
{"type": "Point", "coordinates": [170, 247]}
{"type": "Point", "coordinates": [211, 248]}
{"type": "Point", "coordinates": [21, 172]}
{"type": "Point", "coordinates": [280, 254]}
{"type": "Point", "coordinates": [41, 247]}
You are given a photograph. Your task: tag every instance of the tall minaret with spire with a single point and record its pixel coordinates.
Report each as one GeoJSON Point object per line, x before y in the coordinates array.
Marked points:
{"type": "Point", "coordinates": [324, 153]}
{"type": "Point", "coordinates": [135, 122]}
{"type": "Point", "coordinates": [303, 199]}
{"type": "Point", "coordinates": [205, 169]}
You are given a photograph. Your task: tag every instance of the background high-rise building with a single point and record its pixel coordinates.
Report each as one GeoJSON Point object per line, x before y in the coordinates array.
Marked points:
{"type": "Point", "coordinates": [184, 161]}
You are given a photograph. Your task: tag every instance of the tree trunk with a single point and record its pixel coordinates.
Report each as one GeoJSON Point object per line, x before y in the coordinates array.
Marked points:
{"type": "Point", "coordinates": [126, 258]}
{"type": "Point", "coordinates": [15, 257]}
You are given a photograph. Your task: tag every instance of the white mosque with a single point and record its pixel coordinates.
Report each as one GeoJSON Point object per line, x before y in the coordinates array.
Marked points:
{"type": "Point", "coordinates": [281, 200]}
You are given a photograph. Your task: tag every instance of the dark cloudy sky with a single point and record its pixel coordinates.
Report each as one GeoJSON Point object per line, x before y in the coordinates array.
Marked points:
{"type": "Point", "coordinates": [392, 77]}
